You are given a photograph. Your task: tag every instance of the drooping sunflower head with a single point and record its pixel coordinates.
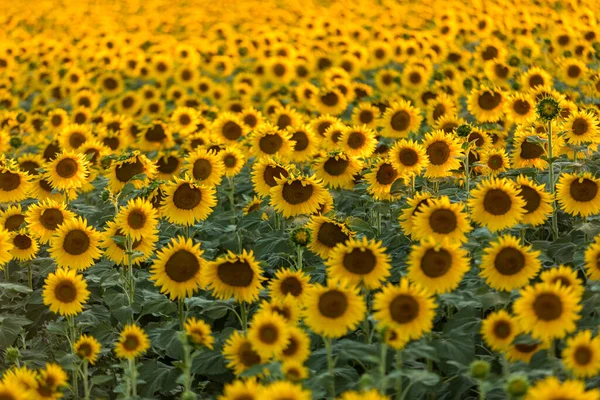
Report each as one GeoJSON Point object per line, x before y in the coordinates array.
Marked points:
{"type": "Point", "coordinates": [495, 203]}
{"type": "Point", "coordinates": [87, 348]}
{"type": "Point", "coordinates": [297, 194]}
{"type": "Point", "coordinates": [187, 202]}
{"type": "Point", "coordinates": [65, 292]}
{"type": "Point", "coordinates": [199, 333]}
{"type": "Point", "coordinates": [132, 342]}
{"type": "Point", "coordinates": [579, 194]}
{"type": "Point", "coordinates": [499, 329]}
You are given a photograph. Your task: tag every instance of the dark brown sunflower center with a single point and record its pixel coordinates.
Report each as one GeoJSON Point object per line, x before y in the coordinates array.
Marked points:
{"type": "Point", "coordinates": [111, 142]}
{"type": "Point", "coordinates": [573, 71]}
{"type": "Point", "coordinates": [360, 261]}
{"type": "Point", "coordinates": [438, 111]}
{"type": "Point", "coordinates": [415, 78]}
{"type": "Point", "coordinates": [563, 281]}
{"type": "Point", "coordinates": [31, 167]}
{"type": "Point", "coordinates": [185, 119]}
{"type": "Point", "coordinates": [167, 165]}
{"type": "Point", "coordinates": [128, 170]}
{"type": "Point", "coordinates": [404, 308]}
{"type": "Point", "coordinates": [366, 117]}
{"type": "Point", "coordinates": [131, 342]}
{"type": "Point", "coordinates": [270, 144]}
{"type": "Point", "coordinates": [291, 285]}
{"type": "Point", "coordinates": [400, 121]}
{"type": "Point", "coordinates": [333, 304]}
{"type": "Point", "coordinates": [51, 151]}
{"type": "Point", "coordinates": [509, 261]}
{"type": "Point", "coordinates": [526, 348]}
{"type": "Point", "coordinates": [386, 174]}
{"type": "Point", "coordinates": [548, 306]}
{"type": "Point", "coordinates": [521, 107]}
{"type": "Point", "coordinates": [477, 138]}
{"type": "Point", "coordinates": [580, 126]}
{"type": "Point", "coordinates": [583, 355]}
{"type": "Point", "coordinates": [156, 133]}
{"type": "Point", "coordinates": [292, 347]}
{"type": "Point", "coordinates": [182, 266]}
{"type": "Point", "coordinates": [230, 161]}
{"type": "Point", "coordinates": [13, 222]}
{"type": "Point", "coordinates": [583, 190]}
{"type": "Point", "coordinates": [502, 329]}
{"type": "Point", "coordinates": [84, 350]}
{"type": "Point", "coordinates": [249, 120]}
{"type": "Point", "coordinates": [489, 100]}
{"type": "Point", "coordinates": [497, 202]}
{"type": "Point", "coordinates": [408, 157]}
{"type": "Point", "coordinates": [76, 242]}
{"type": "Point", "coordinates": [247, 355]}
{"type": "Point", "coordinates": [330, 99]}
{"type": "Point", "coordinates": [356, 140]}
{"type": "Point", "coordinates": [297, 193]}
{"type": "Point", "coordinates": [530, 151]}
{"type": "Point", "coordinates": [301, 140]}
{"type": "Point", "coordinates": [443, 221]}
{"type": "Point", "coordinates": [65, 292]}
{"type": "Point", "coordinates": [532, 198]}
{"type": "Point", "coordinates": [67, 168]}
{"type": "Point", "coordinates": [77, 139]}
{"type": "Point", "coordinates": [501, 70]}
{"type": "Point", "coordinates": [136, 219]}
{"type": "Point", "coordinates": [495, 162]}
{"type": "Point", "coordinates": [51, 218]}
{"type": "Point", "coordinates": [231, 130]}
{"type": "Point", "coordinates": [436, 263]}
{"type": "Point", "coordinates": [274, 171]}
{"type": "Point", "coordinates": [235, 273]}
{"type": "Point", "coordinates": [438, 152]}
{"type": "Point", "coordinates": [489, 53]}
{"type": "Point", "coordinates": [9, 181]}
{"type": "Point", "coordinates": [336, 166]}
{"type": "Point", "coordinates": [331, 234]}
{"type": "Point", "coordinates": [22, 242]}
{"type": "Point", "coordinates": [202, 169]}
{"type": "Point", "coordinates": [268, 333]}
{"type": "Point", "coordinates": [187, 197]}
{"type": "Point", "coordinates": [284, 121]}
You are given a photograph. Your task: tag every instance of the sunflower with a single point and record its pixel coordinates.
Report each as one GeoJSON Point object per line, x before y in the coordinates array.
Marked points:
{"type": "Point", "coordinates": [75, 244]}
{"type": "Point", "coordinates": [240, 354]}
{"type": "Point", "coordinates": [73, 136]}
{"type": "Point", "coordinates": [551, 388]}
{"type": "Point", "coordinates": [168, 164]}
{"type": "Point", "coordinates": [184, 120]}
{"type": "Point", "coordinates": [323, 122]}
{"type": "Point", "coordinates": [496, 203]}
{"type": "Point", "coordinates": [332, 134]}
{"type": "Point", "coordinates": [24, 245]}
{"type": "Point", "coordinates": [305, 143]}
{"type": "Point", "coordinates": [268, 334]}
{"type": "Point", "coordinates": [372, 394]}
{"type": "Point", "coordinates": [337, 169]}
{"type": "Point", "coordinates": [358, 141]}
{"type": "Point", "coordinates": [572, 71]}
{"type": "Point", "coordinates": [566, 276]}
{"type": "Point", "coordinates": [578, 194]}
{"type": "Point", "coordinates": [132, 342]}
{"type": "Point", "coordinates": [137, 219]}
{"type": "Point", "coordinates": [31, 163]}
{"type": "Point", "coordinates": [288, 308]}
{"type": "Point", "coordinates": [520, 108]}
{"type": "Point", "coordinates": [199, 333]}
{"type": "Point", "coordinates": [294, 371]}
{"type": "Point", "coordinates": [178, 268]}
{"type": "Point", "coordinates": [441, 220]}
{"type": "Point", "coordinates": [11, 390]}
{"type": "Point", "coordinates": [269, 141]}
{"type": "Point", "coordinates": [264, 173]}
{"type": "Point", "coordinates": [499, 329]}
{"type": "Point", "coordinates": [229, 128]}
{"type": "Point", "coordinates": [508, 265]}
{"type": "Point", "coordinates": [582, 355]}
{"type": "Point", "coordinates": [287, 283]}
{"type": "Point", "coordinates": [527, 151]}
{"type": "Point", "coordinates": [406, 307]}
{"type": "Point", "coordinates": [87, 348]}
{"type": "Point", "coordinates": [366, 114]}
{"type": "Point", "coordinates": [494, 161]}
{"type": "Point", "coordinates": [252, 205]}
{"type": "Point", "coordinates": [400, 119]}
{"type": "Point", "coordinates": [251, 117]}
{"type": "Point", "coordinates": [486, 104]}
{"type": "Point", "coordinates": [359, 262]}
{"type": "Point", "coordinates": [592, 260]}
{"type": "Point", "coordinates": [116, 251]}
{"type": "Point", "coordinates": [535, 77]}
{"type": "Point", "coordinates": [438, 266]}
{"type": "Point", "coordinates": [234, 275]}
{"type": "Point", "coordinates": [65, 291]}
{"type": "Point", "coordinates": [284, 390]}
{"type": "Point", "coordinates": [547, 310]}
{"type": "Point", "coordinates": [51, 380]}
{"type": "Point", "coordinates": [14, 184]}
{"type": "Point", "coordinates": [380, 179]}
{"type": "Point", "coordinates": [24, 378]}
{"type": "Point", "coordinates": [327, 234]}
{"type": "Point", "coordinates": [407, 217]}
{"type": "Point", "coordinates": [6, 247]}
{"type": "Point", "coordinates": [524, 351]}
{"type": "Point", "coordinates": [329, 101]}
{"type": "Point", "coordinates": [122, 172]}
{"type": "Point", "coordinates": [297, 194]}
{"type": "Point", "coordinates": [298, 345]}
{"type": "Point", "coordinates": [443, 152]}
{"type": "Point", "coordinates": [332, 310]}
{"type": "Point", "coordinates": [408, 157]}
{"type": "Point", "coordinates": [581, 127]}
{"type": "Point", "coordinates": [186, 202]}
{"type": "Point", "coordinates": [247, 389]}
{"type": "Point", "coordinates": [233, 160]}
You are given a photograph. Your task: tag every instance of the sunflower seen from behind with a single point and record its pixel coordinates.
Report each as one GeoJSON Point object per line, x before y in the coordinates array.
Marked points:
{"type": "Point", "coordinates": [132, 342]}
{"type": "Point", "coordinates": [65, 292]}
{"type": "Point", "coordinates": [187, 202]}
{"type": "Point", "coordinates": [75, 244]}
{"type": "Point", "coordinates": [233, 275]}
{"type": "Point", "coordinates": [496, 204]}
{"type": "Point", "coordinates": [578, 194]}
{"type": "Point", "coordinates": [178, 268]}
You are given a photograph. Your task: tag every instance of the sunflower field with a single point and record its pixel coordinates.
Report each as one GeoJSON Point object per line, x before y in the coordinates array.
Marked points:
{"type": "Point", "coordinates": [295, 200]}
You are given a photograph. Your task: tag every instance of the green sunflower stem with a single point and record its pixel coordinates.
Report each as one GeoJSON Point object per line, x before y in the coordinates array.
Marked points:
{"type": "Point", "coordinates": [552, 183]}
{"type": "Point", "coordinates": [399, 378]}
{"type": "Point", "coordinates": [481, 391]}
{"type": "Point", "coordinates": [72, 340]}
{"type": "Point", "coordinates": [86, 384]}
{"type": "Point", "coordinates": [382, 367]}
{"type": "Point", "coordinates": [130, 278]}
{"type": "Point", "coordinates": [133, 377]}
{"type": "Point", "coordinates": [330, 366]}
{"type": "Point", "coordinates": [244, 316]}
{"type": "Point", "coordinates": [232, 198]}
{"type": "Point", "coordinates": [187, 370]}
{"type": "Point", "coordinates": [6, 273]}
{"type": "Point", "coordinates": [378, 219]}
{"type": "Point", "coordinates": [366, 325]}
{"type": "Point", "coordinates": [181, 312]}
{"type": "Point", "coordinates": [29, 275]}
{"type": "Point", "coordinates": [299, 254]}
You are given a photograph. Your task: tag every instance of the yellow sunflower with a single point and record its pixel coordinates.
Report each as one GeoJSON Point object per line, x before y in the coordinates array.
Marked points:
{"type": "Point", "coordinates": [233, 160]}
{"type": "Point", "coordinates": [132, 342]}
{"type": "Point", "coordinates": [6, 247]}
{"type": "Point", "coordinates": [486, 104]}
{"type": "Point", "coordinates": [253, 205]}
{"type": "Point", "coordinates": [499, 329]}
{"type": "Point", "coordinates": [51, 380]}
{"type": "Point", "coordinates": [297, 194]}
{"type": "Point", "coordinates": [329, 101]}
{"type": "Point", "coordinates": [288, 308]}
{"type": "Point", "coordinates": [247, 389]}
{"type": "Point", "coordinates": [87, 348]}
{"type": "Point", "coordinates": [547, 310]}
{"type": "Point", "coordinates": [358, 141]}
{"type": "Point", "coordinates": [365, 113]}
{"type": "Point", "coordinates": [494, 161]}
{"type": "Point", "coordinates": [65, 291]}
{"type": "Point", "coordinates": [528, 153]}
{"type": "Point", "coordinates": [264, 172]}
{"type": "Point", "coordinates": [305, 142]}
{"type": "Point", "coordinates": [298, 346]}
{"type": "Point", "coordinates": [75, 244]}
{"type": "Point", "coordinates": [24, 379]}
{"type": "Point", "coordinates": [438, 266]}
{"type": "Point", "coordinates": [12, 218]}
{"type": "Point", "coordinates": [443, 152]}
{"type": "Point", "coordinates": [524, 351]}
{"type": "Point", "coordinates": [14, 184]}
{"type": "Point", "coordinates": [116, 251]}
{"type": "Point", "coordinates": [441, 220]}
{"type": "Point", "coordinates": [408, 157]}
{"type": "Point", "coordinates": [269, 141]}
{"type": "Point", "coordinates": [199, 333]}
{"type": "Point", "coordinates": [508, 265]}
{"type": "Point", "coordinates": [186, 202]}
{"type": "Point", "coordinates": [407, 217]}
{"type": "Point", "coordinates": [137, 219]}
{"type": "Point", "coordinates": [287, 283]}
{"type": "Point", "coordinates": [234, 275]}
{"type": "Point", "coordinates": [578, 194]}
{"type": "Point", "coordinates": [327, 234]}
{"type": "Point", "coordinates": [551, 388]}
{"type": "Point", "coordinates": [592, 260]}
{"type": "Point", "coordinates": [69, 170]}
{"type": "Point", "coordinates": [359, 262]}
{"type": "Point", "coordinates": [122, 172]}
{"type": "Point", "coordinates": [337, 169]}
{"type": "Point", "coordinates": [268, 334]}
{"type": "Point", "coordinates": [24, 245]}
{"type": "Point", "coordinates": [520, 108]}
{"type": "Point", "coordinates": [581, 127]}
{"type": "Point", "coordinates": [239, 353]}
{"type": "Point", "coordinates": [380, 179]}
{"type": "Point", "coordinates": [538, 202]}
{"type": "Point", "coordinates": [581, 355]}
{"type": "Point", "coordinates": [567, 277]}
{"type": "Point", "coordinates": [400, 119]}
{"type": "Point", "coordinates": [178, 268]}
{"type": "Point", "coordinates": [496, 204]}
{"type": "Point", "coordinates": [11, 390]}
{"type": "Point", "coordinates": [406, 307]}
{"type": "Point", "coordinates": [333, 310]}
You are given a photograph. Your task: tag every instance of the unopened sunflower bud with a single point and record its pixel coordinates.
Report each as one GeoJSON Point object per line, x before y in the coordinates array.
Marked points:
{"type": "Point", "coordinates": [16, 142]}
{"type": "Point", "coordinates": [517, 385]}
{"type": "Point", "coordinates": [548, 109]}
{"type": "Point", "coordinates": [12, 355]}
{"type": "Point", "coordinates": [479, 369]}
{"type": "Point", "coordinates": [300, 236]}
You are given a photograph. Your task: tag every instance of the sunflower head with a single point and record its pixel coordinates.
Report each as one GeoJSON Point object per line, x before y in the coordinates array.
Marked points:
{"type": "Point", "coordinates": [132, 342]}
{"type": "Point", "coordinates": [300, 236]}
{"type": "Point", "coordinates": [199, 333]}
{"type": "Point", "coordinates": [548, 109]}
{"type": "Point", "coordinates": [87, 348]}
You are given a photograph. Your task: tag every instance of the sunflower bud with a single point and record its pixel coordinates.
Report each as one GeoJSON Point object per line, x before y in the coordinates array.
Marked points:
{"type": "Point", "coordinates": [188, 396]}
{"type": "Point", "coordinates": [15, 142]}
{"type": "Point", "coordinates": [21, 118]}
{"type": "Point", "coordinates": [12, 355]}
{"type": "Point", "coordinates": [468, 84]}
{"type": "Point", "coordinates": [300, 236]}
{"type": "Point", "coordinates": [464, 130]}
{"type": "Point", "coordinates": [517, 385]}
{"type": "Point", "coordinates": [514, 61]}
{"type": "Point", "coordinates": [105, 195]}
{"type": "Point", "coordinates": [548, 108]}
{"type": "Point", "coordinates": [479, 369]}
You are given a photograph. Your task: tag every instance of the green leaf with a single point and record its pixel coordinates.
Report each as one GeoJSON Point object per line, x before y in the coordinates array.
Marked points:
{"type": "Point", "coordinates": [10, 327]}
{"type": "Point", "coordinates": [14, 287]}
